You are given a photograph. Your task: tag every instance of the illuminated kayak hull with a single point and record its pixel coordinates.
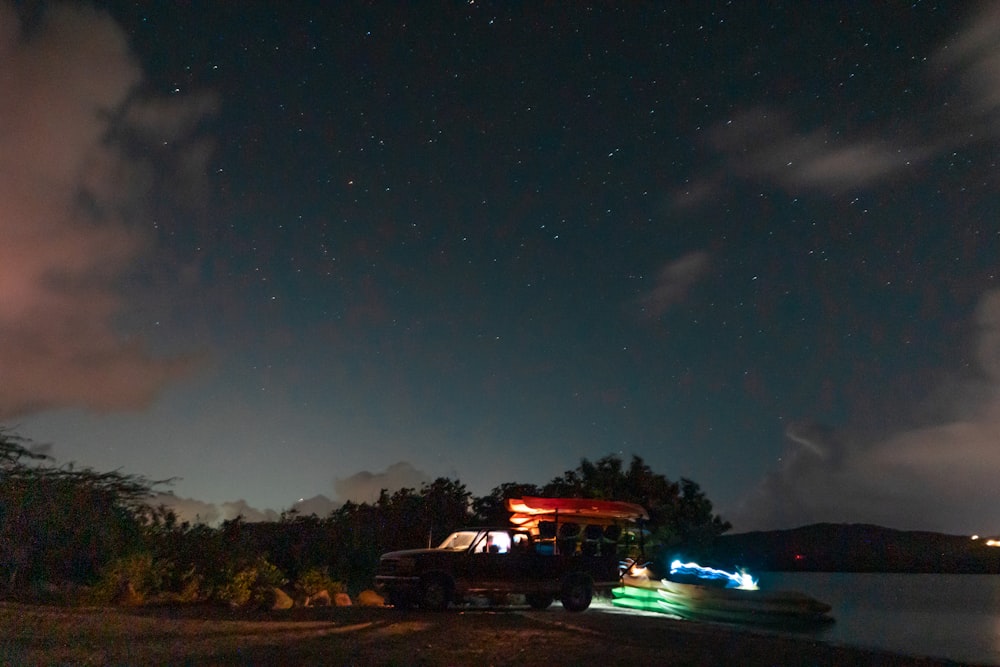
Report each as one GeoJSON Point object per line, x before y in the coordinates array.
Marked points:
{"type": "Point", "coordinates": [719, 604]}
{"type": "Point", "coordinates": [585, 510]}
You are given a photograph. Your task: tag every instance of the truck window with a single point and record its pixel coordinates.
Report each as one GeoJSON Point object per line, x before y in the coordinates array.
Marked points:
{"type": "Point", "coordinates": [494, 542]}
{"type": "Point", "coordinates": [458, 541]}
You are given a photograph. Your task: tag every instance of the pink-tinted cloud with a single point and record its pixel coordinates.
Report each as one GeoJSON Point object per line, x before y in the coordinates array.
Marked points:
{"type": "Point", "coordinates": [200, 512]}
{"type": "Point", "coordinates": [69, 197]}
{"type": "Point", "coordinates": [319, 505]}
{"type": "Point", "coordinates": [188, 509]}
{"type": "Point", "coordinates": [365, 486]}
{"type": "Point", "coordinates": [241, 508]}
{"type": "Point", "coordinates": [362, 487]}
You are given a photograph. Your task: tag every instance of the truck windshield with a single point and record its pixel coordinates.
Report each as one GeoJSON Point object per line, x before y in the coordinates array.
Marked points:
{"type": "Point", "coordinates": [459, 541]}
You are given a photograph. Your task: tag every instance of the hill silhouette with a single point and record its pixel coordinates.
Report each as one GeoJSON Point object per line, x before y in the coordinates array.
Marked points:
{"type": "Point", "coordinates": [832, 547]}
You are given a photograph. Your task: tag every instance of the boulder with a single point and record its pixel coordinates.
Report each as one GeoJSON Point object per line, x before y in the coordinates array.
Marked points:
{"type": "Point", "coordinates": [342, 600]}
{"type": "Point", "coordinates": [321, 599]}
{"type": "Point", "coordinates": [369, 598]}
{"type": "Point", "coordinates": [128, 596]}
{"type": "Point", "coordinates": [281, 599]}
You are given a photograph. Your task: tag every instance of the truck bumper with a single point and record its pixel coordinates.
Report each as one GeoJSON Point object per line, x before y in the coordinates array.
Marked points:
{"type": "Point", "coordinates": [390, 585]}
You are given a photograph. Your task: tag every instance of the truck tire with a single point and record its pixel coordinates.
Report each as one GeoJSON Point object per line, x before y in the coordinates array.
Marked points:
{"type": "Point", "coordinates": [435, 592]}
{"type": "Point", "coordinates": [577, 591]}
{"type": "Point", "coordinates": [539, 600]}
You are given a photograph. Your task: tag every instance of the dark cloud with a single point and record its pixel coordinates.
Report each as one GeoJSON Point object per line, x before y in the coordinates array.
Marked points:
{"type": "Point", "coordinates": [940, 473]}
{"type": "Point", "coordinates": [940, 476]}
{"type": "Point", "coordinates": [69, 196]}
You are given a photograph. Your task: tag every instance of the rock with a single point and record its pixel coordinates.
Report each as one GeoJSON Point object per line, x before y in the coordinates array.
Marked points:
{"type": "Point", "coordinates": [342, 600]}
{"type": "Point", "coordinates": [281, 599]}
{"type": "Point", "coordinates": [321, 599]}
{"type": "Point", "coordinates": [369, 598]}
{"type": "Point", "coordinates": [128, 596]}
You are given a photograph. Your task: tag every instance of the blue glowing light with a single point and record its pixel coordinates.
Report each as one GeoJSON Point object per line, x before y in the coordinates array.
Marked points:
{"type": "Point", "coordinates": [732, 579]}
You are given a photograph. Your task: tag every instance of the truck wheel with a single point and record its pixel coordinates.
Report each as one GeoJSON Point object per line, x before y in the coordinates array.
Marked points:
{"type": "Point", "coordinates": [435, 592]}
{"type": "Point", "coordinates": [577, 592]}
{"type": "Point", "coordinates": [539, 600]}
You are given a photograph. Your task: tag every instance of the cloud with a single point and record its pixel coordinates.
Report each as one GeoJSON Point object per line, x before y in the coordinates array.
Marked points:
{"type": "Point", "coordinates": [973, 58]}
{"type": "Point", "coordinates": [365, 486]}
{"type": "Point", "coordinates": [940, 476]}
{"type": "Point", "coordinates": [240, 508]}
{"type": "Point", "coordinates": [762, 143]}
{"type": "Point", "coordinates": [211, 514]}
{"type": "Point", "coordinates": [69, 197]}
{"type": "Point", "coordinates": [988, 344]}
{"type": "Point", "coordinates": [673, 282]}
{"type": "Point", "coordinates": [188, 509]}
{"type": "Point", "coordinates": [362, 487]}
{"type": "Point", "coordinates": [767, 144]}
{"type": "Point", "coordinates": [319, 505]}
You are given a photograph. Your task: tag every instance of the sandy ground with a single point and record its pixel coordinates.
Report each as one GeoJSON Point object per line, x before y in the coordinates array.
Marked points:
{"type": "Point", "coordinates": [603, 636]}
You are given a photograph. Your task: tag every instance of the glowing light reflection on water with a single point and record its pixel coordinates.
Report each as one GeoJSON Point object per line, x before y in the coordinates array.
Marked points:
{"type": "Point", "coordinates": [952, 616]}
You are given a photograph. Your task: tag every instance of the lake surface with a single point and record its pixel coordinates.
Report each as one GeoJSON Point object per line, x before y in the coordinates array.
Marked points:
{"type": "Point", "coordinates": [952, 616]}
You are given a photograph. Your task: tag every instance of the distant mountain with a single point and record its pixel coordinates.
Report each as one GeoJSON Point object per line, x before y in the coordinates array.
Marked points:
{"type": "Point", "coordinates": [830, 547]}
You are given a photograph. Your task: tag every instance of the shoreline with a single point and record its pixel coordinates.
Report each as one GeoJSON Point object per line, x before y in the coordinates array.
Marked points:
{"type": "Point", "coordinates": [38, 634]}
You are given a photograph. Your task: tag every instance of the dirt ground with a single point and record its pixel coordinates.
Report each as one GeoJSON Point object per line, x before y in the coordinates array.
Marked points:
{"type": "Point", "coordinates": [603, 636]}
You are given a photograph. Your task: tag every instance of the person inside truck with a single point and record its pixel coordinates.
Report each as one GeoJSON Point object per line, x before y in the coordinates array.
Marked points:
{"type": "Point", "coordinates": [497, 542]}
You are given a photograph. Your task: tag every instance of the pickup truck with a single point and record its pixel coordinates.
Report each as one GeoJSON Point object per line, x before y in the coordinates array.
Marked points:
{"type": "Point", "coordinates": [544, 556]}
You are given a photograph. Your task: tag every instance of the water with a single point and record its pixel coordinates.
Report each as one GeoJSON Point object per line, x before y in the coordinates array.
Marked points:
{"type": "Point", "coordinates": [951, 616]}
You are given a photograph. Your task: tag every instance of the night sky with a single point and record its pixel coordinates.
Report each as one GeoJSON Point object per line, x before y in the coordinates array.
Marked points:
{"type": "Point", "coordinates": [287, 251]}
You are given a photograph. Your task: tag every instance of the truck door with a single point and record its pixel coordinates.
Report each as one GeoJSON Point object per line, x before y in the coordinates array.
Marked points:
{"type": "Point", "coordinates": [498, 557]}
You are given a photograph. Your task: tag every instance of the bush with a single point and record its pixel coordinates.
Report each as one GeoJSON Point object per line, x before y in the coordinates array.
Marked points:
{"type": "Point", "coordinates": [250, 584]}
{"type": "Point", "coordinates": [129, 580]}
{"type": "Point", "coordinates": [315, 579]}
{"type": "Point", "coordinates": [236, 591]}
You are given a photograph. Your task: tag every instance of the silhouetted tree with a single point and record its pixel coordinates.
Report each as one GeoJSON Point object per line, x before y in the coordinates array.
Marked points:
{"type": "Point", "coordinates": [491, 510]}
{"type": "Point", "coordinates": [358, 536]}
{"type": "Point", "coordinates": [64, 523]}
{"type": "Point", "coordinates": [679, 514]}
{"type": "Point", "coordinates": [446, 505]}
{"type": "Point", "coordinates": [413, 518]}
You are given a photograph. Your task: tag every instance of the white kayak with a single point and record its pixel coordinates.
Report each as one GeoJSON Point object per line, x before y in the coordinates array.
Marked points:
{"type": "Point", "coordinates": [715, 603]}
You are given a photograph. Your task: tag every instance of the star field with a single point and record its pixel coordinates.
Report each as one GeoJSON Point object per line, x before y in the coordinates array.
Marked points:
{"type": "Point", "coordinates": [756, 246]}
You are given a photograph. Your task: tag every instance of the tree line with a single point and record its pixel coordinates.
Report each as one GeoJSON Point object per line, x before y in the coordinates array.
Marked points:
{"type": "Point", "coordinates": [97, 535]}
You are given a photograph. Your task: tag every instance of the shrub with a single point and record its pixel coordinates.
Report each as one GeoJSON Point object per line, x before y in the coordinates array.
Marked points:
{"type": "Point", "coordinates": [250, 584]}
{"type": "Point", "coordinates": [131, 580]}
{"type": "Point", "coordinates": [315, 579]}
